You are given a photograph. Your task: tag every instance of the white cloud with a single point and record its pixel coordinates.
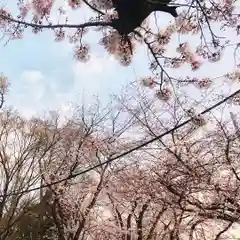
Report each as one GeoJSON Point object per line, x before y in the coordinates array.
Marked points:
{"type": "Point", "coordinates": [31, 86]}
{"type": "Point", "coordinates": [31, 76]}
{"type": "Point", "coordinates": [27, 112]}
{"type": "Point", "coordinates": [93, 67]}
{"type": "Point", "coordinates": [92, 76]}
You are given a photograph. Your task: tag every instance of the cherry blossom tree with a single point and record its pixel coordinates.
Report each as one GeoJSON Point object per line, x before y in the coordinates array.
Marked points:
{"type": "Point", "coordinates": [178, 187]}
{"type": "Point", "coordinates": [182, 186]}
{"type": "Point", "coordinates": [82, 142]}
{"type": "Point", "coordinates": [4, 84]}
{"type": "Point", "coordinates": [19, 159]}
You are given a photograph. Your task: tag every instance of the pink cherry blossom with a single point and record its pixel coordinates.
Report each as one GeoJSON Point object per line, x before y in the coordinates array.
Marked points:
{"type": "Point", "coordinates": [42, 7]}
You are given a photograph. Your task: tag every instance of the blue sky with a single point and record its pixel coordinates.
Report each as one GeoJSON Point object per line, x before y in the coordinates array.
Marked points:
{"type": "Point", "coordinates": [44, 75]}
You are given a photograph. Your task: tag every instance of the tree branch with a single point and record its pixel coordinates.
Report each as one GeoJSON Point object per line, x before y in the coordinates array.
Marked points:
{"type": "Point", "coordinates": [53, 26]}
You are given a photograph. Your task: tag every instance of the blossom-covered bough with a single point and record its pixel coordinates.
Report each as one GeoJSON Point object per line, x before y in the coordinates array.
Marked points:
{"type": "Point", "coordinates": [213, 27]}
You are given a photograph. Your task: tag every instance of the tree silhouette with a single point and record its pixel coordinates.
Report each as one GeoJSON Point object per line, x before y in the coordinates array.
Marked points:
{"type": "Point", "coordinates": [131, 14]}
